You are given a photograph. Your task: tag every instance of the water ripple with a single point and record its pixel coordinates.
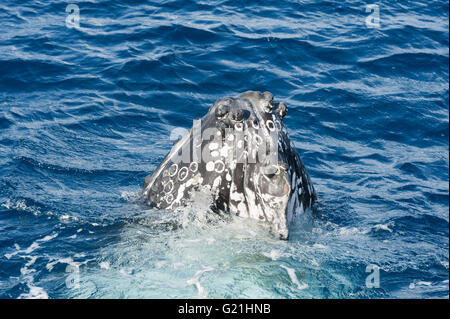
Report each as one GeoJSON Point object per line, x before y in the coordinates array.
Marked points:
{"type": "Point", "coordinates": [86, 113]}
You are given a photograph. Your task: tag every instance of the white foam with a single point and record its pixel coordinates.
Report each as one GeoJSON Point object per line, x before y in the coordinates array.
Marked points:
{"type": "Point", "coordinates": [124, 272]}
{"type": "Point", "coordinates": [347, 231]}
{"type": "Point", "coordinates": [28, 277]}
{"type": "Point", "coordinates": [129, 196]}
{"type": "Point", "coordinates": [34, 293]}
{"type": "Point", "coordinates": [25, 271]}
{"type": "Point", "coordinates": [382, 227]}
{"type": "Point", "coordinates": [65, 218]}
{"type": "Point", "coordinates": [159, 264]}
{"type": "Point", "coordinates": [28, 250]}
{"type": "Point", "coordinates": [419, 283]}
{"type": "Point", "coordinates": [105, 265]}
{"type": "Point", "coordinates": [196, 281]}
{"type": "Point", "coordinates": [274, 254]}
{"type": "Point", "coordinates": [20, 205]}
{"type": "Point", "coordinates": [67, 260]}
{"type": "Point", "coordinates": [192, 240]}
{"type": "Point", "coordinates": [294, 279]}
{"type": "Point", "coordinates": [423, 283]}
{"type": "Point", "coordinates": [48, 238]}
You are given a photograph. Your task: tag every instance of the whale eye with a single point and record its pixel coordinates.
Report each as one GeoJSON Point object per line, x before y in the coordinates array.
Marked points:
{"type": "Point", "coordinates": [274, 182]}
{"type": "Point", "coordinates": [273, 173]}
{"type": "Point", "coordinates": [270, 175]}
{"type": "Point", "coordinates": [270, 171]}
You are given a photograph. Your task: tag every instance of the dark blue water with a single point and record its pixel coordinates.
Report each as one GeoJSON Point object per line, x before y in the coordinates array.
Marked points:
{"type": "Point", "coordinates": [86, 113]}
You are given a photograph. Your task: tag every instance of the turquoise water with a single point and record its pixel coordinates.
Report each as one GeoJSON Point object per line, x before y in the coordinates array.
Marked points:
{"type": "Point", "coordinates": [86, 113]}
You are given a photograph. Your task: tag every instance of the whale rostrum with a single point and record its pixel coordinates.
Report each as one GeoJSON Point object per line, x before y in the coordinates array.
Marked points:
{"type": "Point", "coordinates": [241, 153]}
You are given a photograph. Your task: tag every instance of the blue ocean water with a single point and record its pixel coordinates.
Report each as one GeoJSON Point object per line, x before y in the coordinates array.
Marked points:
{"type": "Point", "coordinates": [86, 113]}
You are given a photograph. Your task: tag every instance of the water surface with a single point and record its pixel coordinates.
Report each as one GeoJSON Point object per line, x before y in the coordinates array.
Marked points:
{"type": "Point", "coordinates": [86, 113]}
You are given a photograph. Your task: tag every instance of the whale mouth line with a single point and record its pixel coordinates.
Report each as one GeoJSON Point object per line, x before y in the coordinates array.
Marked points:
{"type": "Point", "coordinates": [241, 152]}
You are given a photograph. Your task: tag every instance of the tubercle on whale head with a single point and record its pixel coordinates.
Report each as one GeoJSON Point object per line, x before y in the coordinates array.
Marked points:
{"type": "Point", "coordinates": [237, 109]}
{"type": "Point", "coordinates": [281, 110]}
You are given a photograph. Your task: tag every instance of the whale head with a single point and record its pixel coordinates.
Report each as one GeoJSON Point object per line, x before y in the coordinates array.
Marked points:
{"type": "Point", "coordinates": [241, 152]}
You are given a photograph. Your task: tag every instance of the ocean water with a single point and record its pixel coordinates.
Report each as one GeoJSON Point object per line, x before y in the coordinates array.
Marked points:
{"type": "Point", "coordinates": [86, 110]}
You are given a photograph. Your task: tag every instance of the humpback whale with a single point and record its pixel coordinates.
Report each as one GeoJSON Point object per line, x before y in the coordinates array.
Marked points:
{"type": "Point", "coordinates": [241, 154]}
